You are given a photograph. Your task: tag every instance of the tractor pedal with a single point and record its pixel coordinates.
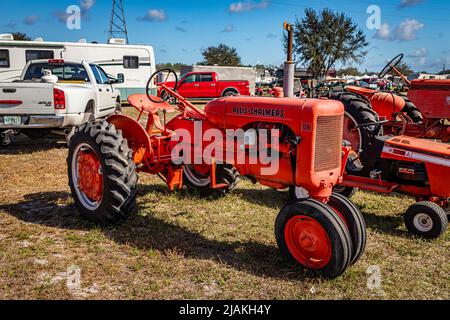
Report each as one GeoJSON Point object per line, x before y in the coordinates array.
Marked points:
{"type": "Point", "coordinates": [175, 179]}
{"type": "Point", "coordinates": [220, 186]}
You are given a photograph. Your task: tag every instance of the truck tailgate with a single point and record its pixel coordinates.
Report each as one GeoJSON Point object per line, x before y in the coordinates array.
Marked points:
{"type": "Point", "coordinates": [26, 98]}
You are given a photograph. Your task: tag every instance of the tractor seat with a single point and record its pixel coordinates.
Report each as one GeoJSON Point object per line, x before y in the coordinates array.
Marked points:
{"type": "Point", "coordinates": [142, 103]}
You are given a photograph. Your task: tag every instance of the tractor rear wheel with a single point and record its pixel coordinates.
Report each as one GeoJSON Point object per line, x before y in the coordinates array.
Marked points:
{"type": "Point", "coordinates": [198, 178]}
{"type": "Point", "coordinates": [426, 219]}
{"type": "Point", "coordinates": [412, 111]}
{"type": "Point", "coordinates": [355, 222]}
{"type": "Point", "coordinates": [102, 174]}
{"type": "Point", "coordinates": [358, 111]}
{"type": "Point", "coordinates": [310, 234]}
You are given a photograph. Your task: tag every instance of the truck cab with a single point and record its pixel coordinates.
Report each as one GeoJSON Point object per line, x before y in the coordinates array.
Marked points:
{"type": "Point", "coordinates": [206, 85]}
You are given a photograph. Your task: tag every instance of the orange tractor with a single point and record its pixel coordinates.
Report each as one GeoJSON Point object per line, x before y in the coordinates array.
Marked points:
{"type": "Point", "coordinates": [325, 232]}
{"type": "Point", "coordinates": [400, 161]}
{"type": "Point", "coordinates": [424, 113]}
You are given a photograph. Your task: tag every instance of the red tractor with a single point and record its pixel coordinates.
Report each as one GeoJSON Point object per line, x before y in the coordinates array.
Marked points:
{"type": "Point", "coordinates": [424, 113]}
{"type": "Point", "coordinates": [325, 232]}
{"type": "Point", "coordinates": [401, 162]}
{"type": "Point", "coordinates": [416, 167]}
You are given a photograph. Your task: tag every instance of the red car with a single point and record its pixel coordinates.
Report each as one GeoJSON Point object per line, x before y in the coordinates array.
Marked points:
{"type": "Point", "coordinates": [205, 85]}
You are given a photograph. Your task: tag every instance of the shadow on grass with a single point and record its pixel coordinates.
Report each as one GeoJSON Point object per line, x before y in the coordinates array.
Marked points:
{"type": "Point", "coordinates": [149, 232]}
{"type": "Point", "coordinates": [387, 224]}
{"type": "Point", "coordinates": [24, 145]}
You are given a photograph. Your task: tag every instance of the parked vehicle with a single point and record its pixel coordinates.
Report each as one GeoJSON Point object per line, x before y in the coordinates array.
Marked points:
{"type": "Point", "coordinates": [206, 85]}
{"type": "Point", "coordinates": [56, 96]}
{"type": "Point", "coordinates": [226, 73]}
{"type": "Point", "coordinates": [423, 113]}
{"type": "Point", "coordinates": [135, 62]}
{"type": "Point", "coordinates": [325, 233]}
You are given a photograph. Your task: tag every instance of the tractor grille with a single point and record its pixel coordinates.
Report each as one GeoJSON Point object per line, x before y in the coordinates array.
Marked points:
{"type": "Point", "coordinates": [328, 143]}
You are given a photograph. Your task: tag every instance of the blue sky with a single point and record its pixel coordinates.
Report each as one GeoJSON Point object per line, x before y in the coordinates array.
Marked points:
{"type": "Point", "coordinates": [178, 30]}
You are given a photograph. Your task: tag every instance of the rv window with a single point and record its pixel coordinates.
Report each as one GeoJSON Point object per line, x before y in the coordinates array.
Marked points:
{"type": "Point", "coordinates": [4, 58]}
{"type": "Point", "coordinates": [38, 54]}
{"type": "Point", "coordinates": [131, 62]}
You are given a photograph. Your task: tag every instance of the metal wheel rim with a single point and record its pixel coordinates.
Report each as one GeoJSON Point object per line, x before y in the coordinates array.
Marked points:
{"type": "Point", "coordinates": [85, 201]}
{"type": "Point", "coordinates": [195, 178]}
{"type": "Point", "coordinates": [423, 222]}
{"type": "Point", "coordinates": [308, 241]}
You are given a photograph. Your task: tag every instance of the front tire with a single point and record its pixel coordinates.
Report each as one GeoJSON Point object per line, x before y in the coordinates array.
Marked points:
{"type": "Point", "coordinates": [355, 222]}
{"type": "Point", "coordinates": [102, 174]}
{"type": "Point", "coordinates": [426, 219]}
{"type": "Point", "coordinates": [310, 234]}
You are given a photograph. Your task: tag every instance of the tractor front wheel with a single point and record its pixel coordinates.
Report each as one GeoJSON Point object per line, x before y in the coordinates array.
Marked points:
{"type": "Point", "coordinates": [102, 174]}
{"type": "Point", "coordinates": [354, 221]}
{"type": "Point", "coordinates": [426, 219]}
{"type": "Point", "coordinates": [310, 234]}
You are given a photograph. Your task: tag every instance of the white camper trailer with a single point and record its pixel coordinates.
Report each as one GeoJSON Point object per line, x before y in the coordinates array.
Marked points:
{"type": "Point", "coordinates": [135, 62]}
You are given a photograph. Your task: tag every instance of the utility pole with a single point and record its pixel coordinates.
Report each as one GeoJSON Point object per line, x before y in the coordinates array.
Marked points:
{"type": "Point", "coordinates": [289, 67]}
{"type": "Point", "coordinates": [118, 26]}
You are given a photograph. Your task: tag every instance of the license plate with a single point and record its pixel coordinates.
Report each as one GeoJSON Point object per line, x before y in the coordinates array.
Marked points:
{"type": "Point", "coordinates": [12, 120]}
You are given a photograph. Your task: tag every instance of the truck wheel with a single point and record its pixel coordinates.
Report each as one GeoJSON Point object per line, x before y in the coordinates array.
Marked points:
{"type": "Point", "coordinates": [230, 93]}
{"type": "Point", "coordinates": [310, 234]}
{"type": "Point", "coordinates": [118, 109]}
{"type": "Point", "coordinates": [345, 191]}
{"type": "Point", "coordinates": [354, 221]}
{"type": "Point", "coordinates": [426, 219]}
{"type": "Point", "coordinates": [197, 177]}
{"type": "Point", "coordinates": [358, 111]}
{"type": "Point", "coordinates": [69, 135]}
{"type": "Point", "coordinates": [102, 174]}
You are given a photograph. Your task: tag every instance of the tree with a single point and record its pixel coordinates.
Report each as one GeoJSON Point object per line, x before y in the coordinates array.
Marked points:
{"type": "Point", "coordinates": [174, 66]}
{"type": "Point", "coordinates": [323, 39]}
{"type": "Point", "coordinates": [222, 55]}
{"type": "Point", "coordinates": [405, 69]}
{"type": "Point", "coordinates": [21, 36]}
{"type": "Point", "coordinates": [351, 71]}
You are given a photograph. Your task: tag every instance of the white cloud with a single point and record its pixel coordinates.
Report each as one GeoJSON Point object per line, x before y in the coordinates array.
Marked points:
{"type": "Point", "coordinates": [30, 20]}
{"type": "Point", "coordinates": [409, 3]}
{"type": "Point", "coordinates": [419, 53]}
{"type": "Point", "coordinates": [155, 15]}
{"type": "Point", "coordinates": [245, 6]}
{"type": "Point", "coordinates": [87, 4]}
{"type": "Point", "coordinates": [384, 32]}
{"type": "Point", "coordinates": [228, 28]}
{"type": "Point", "coordinates": [407, 30]}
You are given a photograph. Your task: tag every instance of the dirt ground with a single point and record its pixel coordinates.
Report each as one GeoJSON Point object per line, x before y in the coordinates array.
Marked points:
{"type": "Point", "coordinates": [180, 246]}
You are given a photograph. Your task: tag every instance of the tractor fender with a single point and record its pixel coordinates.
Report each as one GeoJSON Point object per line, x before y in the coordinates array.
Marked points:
{"type": "Point", "coordinates": [387, 104]}
{"type": "Point", "coordinates": [137, 138]}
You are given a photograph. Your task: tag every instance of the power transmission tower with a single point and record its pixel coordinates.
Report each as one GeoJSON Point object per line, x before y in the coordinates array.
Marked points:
{"type": "Point", "coordinates": [118, 26]}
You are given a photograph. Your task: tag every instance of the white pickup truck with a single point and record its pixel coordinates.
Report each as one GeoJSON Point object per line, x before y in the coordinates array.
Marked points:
{"type": "Point", "coordinates": [55, 96]}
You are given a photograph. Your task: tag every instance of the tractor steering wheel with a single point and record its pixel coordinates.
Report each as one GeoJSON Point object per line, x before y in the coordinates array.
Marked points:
{"type": "Point", "coordinates": [391, 65]}
{"type": "Point", "coordinates": [155, 75]}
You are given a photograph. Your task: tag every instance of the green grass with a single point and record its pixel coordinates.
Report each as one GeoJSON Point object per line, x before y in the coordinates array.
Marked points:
{"type": "Point", "coordinates": [182, 246]}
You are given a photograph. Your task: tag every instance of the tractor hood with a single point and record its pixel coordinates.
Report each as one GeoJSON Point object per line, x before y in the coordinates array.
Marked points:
{"type": "Point", "coordinates": [237, 112]}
